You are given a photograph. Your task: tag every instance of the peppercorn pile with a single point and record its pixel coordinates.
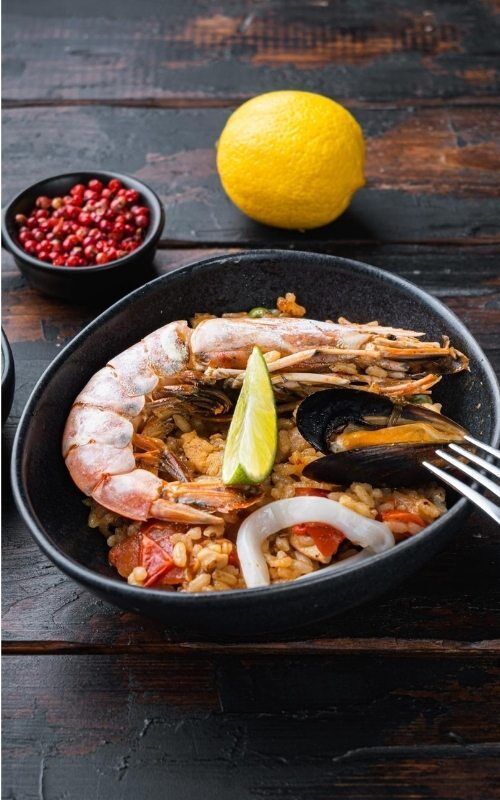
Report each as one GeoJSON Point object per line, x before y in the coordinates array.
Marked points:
{"type": "Point", "coordinates": [92, 225]}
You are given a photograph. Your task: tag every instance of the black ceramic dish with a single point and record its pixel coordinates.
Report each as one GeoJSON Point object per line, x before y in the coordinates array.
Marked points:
{"type": "Point", "coordinates": [84, 283]}
{"type": "Point", "coordinates": [8, 377]}
{"type": "Point", "coordinates": [52, 506]}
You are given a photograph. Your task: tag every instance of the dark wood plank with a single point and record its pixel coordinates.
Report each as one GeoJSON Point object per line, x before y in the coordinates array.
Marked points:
{"type": "Point", "coordinates": [449, 607]}
{"type": "Point", "coordinates": [29, 316]}
{"type": "Point", "coordinates": [132, 712]}
{"type": "Point", "coordinates": [432, 174]}
{"type": "Point", "coordinates": [209, 52]}
{"type": "Point", "coordinates": [246, 728]}
{"type": "Point", "coordinates": [386, 646]}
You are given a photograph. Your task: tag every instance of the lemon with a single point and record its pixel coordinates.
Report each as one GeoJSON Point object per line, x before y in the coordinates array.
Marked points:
{"type": "Point", "coordinates": [253, 434]}
{"type": "Point", "coordinates": [291, 159]}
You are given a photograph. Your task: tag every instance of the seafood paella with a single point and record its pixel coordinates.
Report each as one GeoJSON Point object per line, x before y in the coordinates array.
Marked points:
{"type": "Point", "coordinates": [259, 447]}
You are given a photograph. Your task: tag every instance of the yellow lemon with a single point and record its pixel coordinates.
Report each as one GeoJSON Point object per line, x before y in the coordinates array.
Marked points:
{"type": "Point", "coordinates": [291, 159]}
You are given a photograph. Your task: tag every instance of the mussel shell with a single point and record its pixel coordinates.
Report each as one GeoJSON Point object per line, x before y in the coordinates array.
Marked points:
{"type": "Point", "coordinates": [330, 410]}
{"type": "Point", "coordinates": [387, 465]}
{"type": "Point", "coordinates": [326, 413]}
{"type": "Point", "coordinates": [420, 413]}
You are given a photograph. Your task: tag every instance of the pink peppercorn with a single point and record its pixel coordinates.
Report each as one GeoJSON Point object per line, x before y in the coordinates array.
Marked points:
{"type": "Point", "coordinates": [91, 224]}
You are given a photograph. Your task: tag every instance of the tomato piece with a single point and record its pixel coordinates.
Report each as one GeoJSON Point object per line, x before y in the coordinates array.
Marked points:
{"type": "Point", "coordinates": [157, 548]}
{"type": "Point", "coordinates": [126, 555]}
{"type": "Point", "coordinates": [161, 532]}
{"type": "Point", "coordinates": [233, 558]}
{"type": "Point", "coordinates": [401, 516]}
{"type": "Point", "coordinates": [310, 491]}
{"type": "Point", "coordinates": [155, 560]}
{"type": "Point", "coordinates": [174, 576]}
{"type": "Point", "coordinates": [151, 548]}
{"type": "Point", "coordinates": [326, 538]}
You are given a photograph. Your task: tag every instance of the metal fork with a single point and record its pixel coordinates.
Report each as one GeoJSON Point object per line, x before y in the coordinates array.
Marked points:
{"type": "Point", "coordinates": [463, 488]}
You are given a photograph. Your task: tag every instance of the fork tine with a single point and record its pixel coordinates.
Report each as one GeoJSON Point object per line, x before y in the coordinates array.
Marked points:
{"type": "Point", "coordinates": [482, 502]}
{"type": "Point", "coordinates": [476, 459]}
{"type": "Point", "coordinates": [472, 473]}
{"type": "Point", "coordinates": [482, 446]}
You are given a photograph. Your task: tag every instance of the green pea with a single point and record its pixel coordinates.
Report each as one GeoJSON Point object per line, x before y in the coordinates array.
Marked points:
{"type": "Point", "coordinates": [259, 311]}
{"type": "Point", "coordinates": [420, 399]}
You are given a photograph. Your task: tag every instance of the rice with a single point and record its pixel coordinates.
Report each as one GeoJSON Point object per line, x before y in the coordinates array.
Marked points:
{"type": "Point", "coordinates": [207, 554]}
{"type": "Point", "coordinates": [204, 557]}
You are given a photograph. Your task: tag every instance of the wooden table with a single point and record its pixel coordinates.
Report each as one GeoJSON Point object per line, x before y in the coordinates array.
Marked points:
{"type": "Point", "coordinates": [397, 698]}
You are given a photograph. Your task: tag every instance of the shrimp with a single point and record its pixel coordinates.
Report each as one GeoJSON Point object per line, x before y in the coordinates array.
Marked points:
{"type": "Point", "coordinates": [177, 362]}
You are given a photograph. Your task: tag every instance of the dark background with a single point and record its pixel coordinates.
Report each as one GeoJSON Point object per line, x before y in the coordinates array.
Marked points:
{"type": "Point", "coordinates": [395, 700]}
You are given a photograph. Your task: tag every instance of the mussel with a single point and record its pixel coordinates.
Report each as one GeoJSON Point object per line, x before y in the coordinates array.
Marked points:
{"type": "Point", "coordinates": [370, 438]}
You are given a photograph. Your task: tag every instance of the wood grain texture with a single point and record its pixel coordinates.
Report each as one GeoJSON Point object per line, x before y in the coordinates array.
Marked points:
{"type": "Point", "coordinates": [153, 52]}
{"type": "Point", "coordinates": [397, 699]}
{"type": "Point", "coordinates": [386, 646]}
{"type": "Point", "coordinates": [432, 174]}
{"type": "Point", "coordinates": [117, 726]}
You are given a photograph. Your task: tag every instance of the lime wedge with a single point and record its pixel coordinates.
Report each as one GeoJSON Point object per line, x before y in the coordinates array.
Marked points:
{"type": "Point", "coordinates": [253, 434]}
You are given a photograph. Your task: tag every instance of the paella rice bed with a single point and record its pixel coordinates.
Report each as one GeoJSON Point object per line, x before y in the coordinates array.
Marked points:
{"type": "Point", "coordinates": [204, 557]}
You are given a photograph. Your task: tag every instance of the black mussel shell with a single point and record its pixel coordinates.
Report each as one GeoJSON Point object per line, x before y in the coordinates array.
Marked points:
{"type": "Point", "coordinates": [387, 465]}
{"type": "Point", "coordinates": [328, 412]}
{"type": "Point", "coordinates": [412, 412]}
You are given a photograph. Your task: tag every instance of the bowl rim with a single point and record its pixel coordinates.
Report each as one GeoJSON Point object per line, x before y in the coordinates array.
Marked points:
{"type": "Point", "coordinates": [7, 359]}
{"type": "Point", "coordinates": [153, 234]}
{"type": "Point", "coordinates": [115, 585]}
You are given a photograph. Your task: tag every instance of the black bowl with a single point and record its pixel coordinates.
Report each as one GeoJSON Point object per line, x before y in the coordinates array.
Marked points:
{"type": "Point", "coordinates": [8, 377]}
{"type": "Point", "coordinates": [52, 506]}
{"type": "Point", "coordinates": [81, 284]}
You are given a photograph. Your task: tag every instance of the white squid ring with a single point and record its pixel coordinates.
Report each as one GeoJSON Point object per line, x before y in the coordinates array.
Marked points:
{"type": "Point", "coordinates": [371, 535]}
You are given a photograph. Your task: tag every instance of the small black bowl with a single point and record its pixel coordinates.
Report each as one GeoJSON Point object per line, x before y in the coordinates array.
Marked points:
{"type": "Point", "coordinates": [81, 284]}
{"type": "Point", "coordinates": [52, 506]}
{"type": "Point", "coordinates": [8, 377]}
